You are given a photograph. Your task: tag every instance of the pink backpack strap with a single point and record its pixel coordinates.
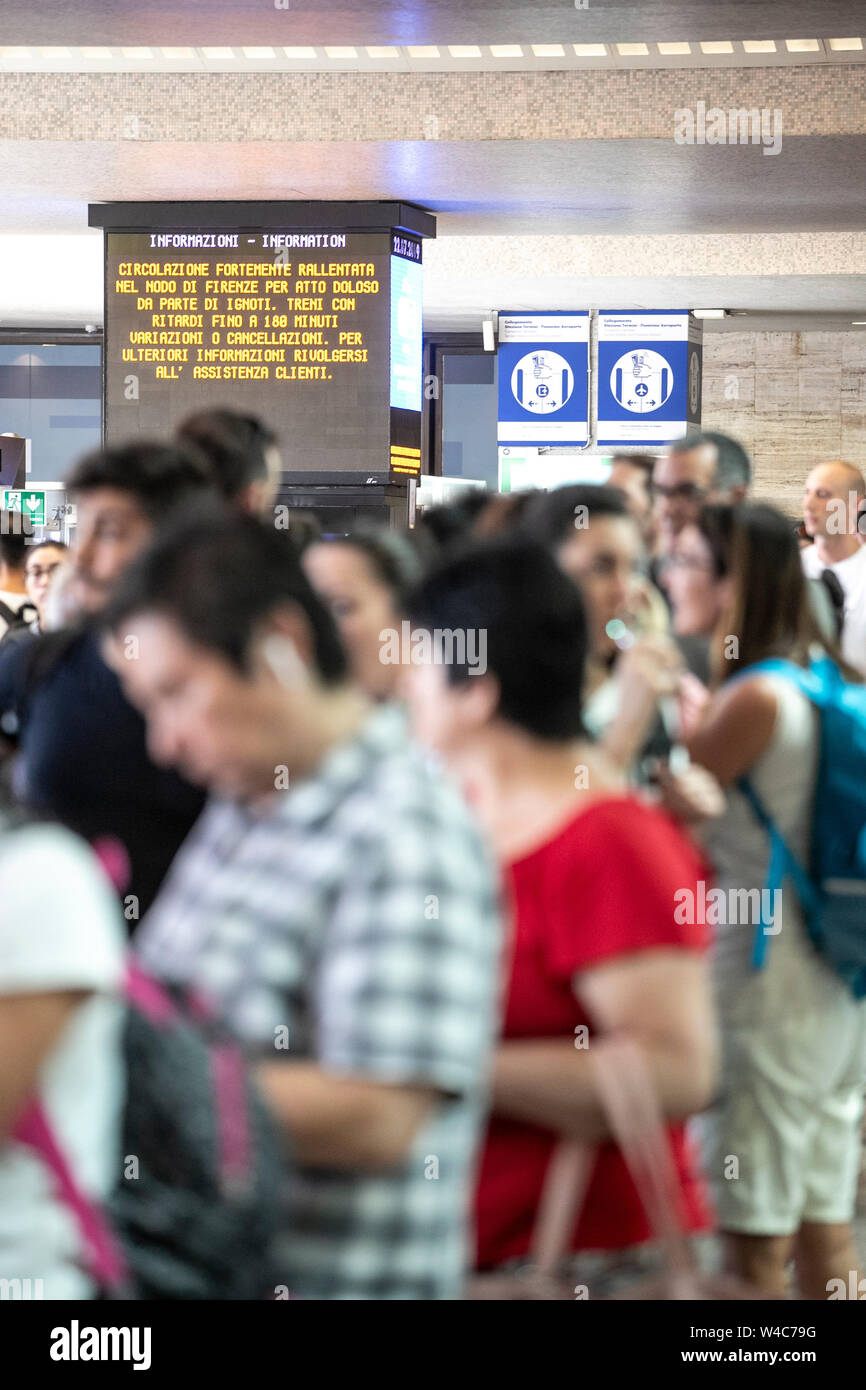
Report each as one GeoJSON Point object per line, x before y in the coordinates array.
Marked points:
{"type": "Point", "coordinates": [103, 1256]}
{"type": "Point", "coordinates": [146, 995]}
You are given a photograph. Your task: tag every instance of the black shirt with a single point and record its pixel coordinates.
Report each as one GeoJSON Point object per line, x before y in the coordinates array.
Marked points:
{"type": "Point", "coordinates": [84, 759]}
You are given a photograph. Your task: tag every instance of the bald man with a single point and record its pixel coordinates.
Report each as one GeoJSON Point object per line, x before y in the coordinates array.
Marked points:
{"type": "Point", "coordinates": [833, 494]}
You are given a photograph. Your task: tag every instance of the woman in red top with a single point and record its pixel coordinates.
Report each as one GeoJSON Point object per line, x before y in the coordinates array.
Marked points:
{"type": "Point", "coordinates": [591, 873]}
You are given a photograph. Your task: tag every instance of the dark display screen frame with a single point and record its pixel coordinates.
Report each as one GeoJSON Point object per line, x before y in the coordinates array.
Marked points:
{"type": "Point", "coordinates": [391, 449]}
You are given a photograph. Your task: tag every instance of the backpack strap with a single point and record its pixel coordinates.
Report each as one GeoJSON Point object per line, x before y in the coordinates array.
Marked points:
{"type": "Point", "coordinates": [819, 682]}
{"type": "Point", "coordinates": [102, 1252]}
{"type": "Point", "coordinates": [783, 863]}
{"type": "Point", "coordinates": [8, 615]}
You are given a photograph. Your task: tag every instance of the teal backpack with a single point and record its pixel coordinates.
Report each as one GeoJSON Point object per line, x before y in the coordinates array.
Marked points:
{"type": "Point", "coordinates": [832, 886]}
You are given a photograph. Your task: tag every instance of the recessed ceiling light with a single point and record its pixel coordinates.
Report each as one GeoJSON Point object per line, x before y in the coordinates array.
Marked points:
{"type": "Point", "coordinates": [710, 313]}
{"type": "Point", "coordinates": [300, 52]}
{"type": "Point", "coordinates": [590, 50]}
{"type": "Point", "coordinates": [802, 45]}
{"type": "Point", "coordinates": [548, 50]}
{"type": "Point", "coordinates": [671, 50]}
{"type": "Point", "coordinates": [845, 45]}
{"type": "Point", "coordinates": [97, 54]}
{"type": "Point", "coordinates": [138, 55]}
{"type": "Point", "coordinates": [858, 323]}
{"type": "Point", "coordinates": [181, 55]}
{"type": "Point", "coordinates": [428, 50]}
{"type": "Point", "coordinates": [258, 52]}
{"type": "Point", "coordinates": [464, 50]}
{"type": "Point", "coordinates": [342, 52]}
{"type": "Point", "coordinates": [383, 53]}
{"type": "Point", "coordinates": [717, 46]}
{"type": "Point", "coordinates": [632, 50]}
{"type": "Point", "coordinates": [215, 54]}
{"type": "Point", "coordinates": [506, 50]}
{"type": "Point", "coordinates": [47, 54]}
{"type": "Point", "coordinates": [759, 45]}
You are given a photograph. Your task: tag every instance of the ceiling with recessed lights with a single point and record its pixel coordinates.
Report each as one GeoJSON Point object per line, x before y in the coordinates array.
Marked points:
{"type": "Point", "coordinates": [346, 105]}
{"type": "Point", "coordinates": [315, 23]}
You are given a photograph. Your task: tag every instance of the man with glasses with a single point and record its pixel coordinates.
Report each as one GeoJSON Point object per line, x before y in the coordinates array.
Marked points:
{"type": "Point", "coordinates": [43, 561]}
{"type": "Point", "coordinates": [40, 565]}
{"type": "Point", "coordinates": [706, 467]}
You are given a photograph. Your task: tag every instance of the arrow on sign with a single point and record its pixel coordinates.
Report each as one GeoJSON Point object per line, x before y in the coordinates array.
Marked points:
{"type": "Point", "coordinates": [33, 502]}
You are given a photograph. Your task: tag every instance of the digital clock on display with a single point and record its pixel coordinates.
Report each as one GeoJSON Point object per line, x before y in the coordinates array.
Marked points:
{"type": "Point", "coordinates": [402, 246]}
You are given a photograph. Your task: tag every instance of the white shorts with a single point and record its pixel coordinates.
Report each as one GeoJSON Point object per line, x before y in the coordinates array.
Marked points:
{"type": "Point", "coordinates": [782, 1145]}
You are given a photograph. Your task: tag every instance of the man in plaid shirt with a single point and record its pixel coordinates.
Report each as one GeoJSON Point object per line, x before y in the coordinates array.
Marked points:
{"type": "Point", "coordinates": [334, 902]}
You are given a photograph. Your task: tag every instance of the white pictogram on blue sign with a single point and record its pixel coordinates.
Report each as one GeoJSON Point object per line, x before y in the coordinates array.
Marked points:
{"type": "Point", "coordinates": [542, 382]}
{"type": "Point", "coordinates": [641, 381]}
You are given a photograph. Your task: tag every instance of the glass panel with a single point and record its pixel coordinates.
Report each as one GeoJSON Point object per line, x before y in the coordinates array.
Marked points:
{"type": "Point", "coordinates": [469, 409]}
{"type": "Point", "coordinates": [53, 395]}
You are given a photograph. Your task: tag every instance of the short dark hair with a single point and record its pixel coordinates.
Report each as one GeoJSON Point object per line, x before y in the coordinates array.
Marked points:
{"type": "Point", "coordinates": [217, 575]}
{"type": "Point", "coordinates": [642, 461]}
{"type": "Point", "coordinates": [47, 544]}
{"type": "Point", "coordinates": [390, 555]}
{"type": "Point", "coordinates": [451, 522]}
{"type": "Point", "coordinates": [234, 444]}
{"type": "Point", "coordinates": [536, 633]}
{"type": "Point", "coordinates": [550, 517]}
{"type": "Point", "coordinates": [14, 530]}
{"type": "Point", "coordinates": [159, 476]}
{"type": "Point", "coordinates": [733, 465]}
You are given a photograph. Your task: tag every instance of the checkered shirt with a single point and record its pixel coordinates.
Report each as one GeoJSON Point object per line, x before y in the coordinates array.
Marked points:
{"type": "Point", "coordinates": [359, 911]}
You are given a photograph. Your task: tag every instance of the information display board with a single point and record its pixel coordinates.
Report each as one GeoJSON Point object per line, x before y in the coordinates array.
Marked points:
{"type": "Point", "coordinates": [318, 331]}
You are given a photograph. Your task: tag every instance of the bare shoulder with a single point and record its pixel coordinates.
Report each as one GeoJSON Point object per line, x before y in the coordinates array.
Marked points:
{"type": "Point", "coordinates": [736, 729]}
{"type": "Point", "coordinates": [750, 697]}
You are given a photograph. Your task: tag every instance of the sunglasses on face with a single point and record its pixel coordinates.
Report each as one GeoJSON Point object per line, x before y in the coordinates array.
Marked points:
{"type": "Point", "coordinates": [684, 492]}
{"type": "Point", "coordinates": [687, 562]}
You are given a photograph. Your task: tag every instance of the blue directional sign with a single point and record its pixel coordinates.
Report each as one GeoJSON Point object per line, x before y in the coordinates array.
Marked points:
{"type": "Point", "coordinates": [543, 365]}
{"type": "Point", "coordinates": [649, 376]}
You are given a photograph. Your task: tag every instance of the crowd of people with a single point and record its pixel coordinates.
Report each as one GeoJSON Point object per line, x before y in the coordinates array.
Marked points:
{"type": "Point", "coordinates": [422, 825]}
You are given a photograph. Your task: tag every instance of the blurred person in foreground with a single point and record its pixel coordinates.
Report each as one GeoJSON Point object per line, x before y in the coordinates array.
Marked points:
{"type": "Point", "coordinates": [61, 967]}
{"type": "Point", "coordinates": [833, 495]}
{"type": "Point", "coordinates": [793, 1035]}
{"type": "Point", "coordinates": [335, 905]}
{"type": "Point", "coordinates": [82, 756]}
{"type": "Point", "coordinates": [243, 456]}
{"type": "Point", "coordinates": [364, 578]}
{"type": "Point", "coordinates": [591, 874]}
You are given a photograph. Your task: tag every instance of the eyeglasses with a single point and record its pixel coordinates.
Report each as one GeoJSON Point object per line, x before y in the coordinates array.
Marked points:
{"type": "Point", "coordinates": [40, 572]}
{"type": "Point", "coordinates": [687, 562]}
{"type": "Point", "coordinates": [685, 492]}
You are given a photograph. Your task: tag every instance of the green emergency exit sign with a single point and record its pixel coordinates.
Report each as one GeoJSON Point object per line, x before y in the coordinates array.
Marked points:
{"type": "Point", "coordinates": [29, 504]}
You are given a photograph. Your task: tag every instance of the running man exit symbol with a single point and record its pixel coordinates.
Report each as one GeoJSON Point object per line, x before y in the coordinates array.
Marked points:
{"type": "Point", "coordinates": [29, 504]}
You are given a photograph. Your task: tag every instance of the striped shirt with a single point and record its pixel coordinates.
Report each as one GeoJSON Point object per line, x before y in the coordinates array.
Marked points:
{"type": "Point", "coordinates": [354, 921]}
